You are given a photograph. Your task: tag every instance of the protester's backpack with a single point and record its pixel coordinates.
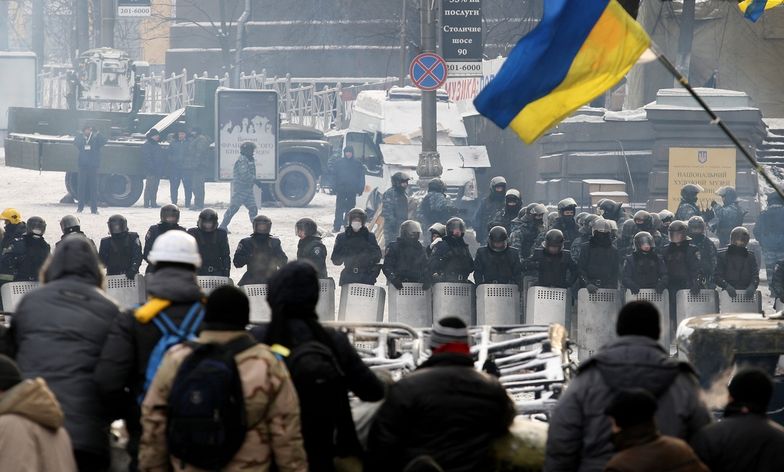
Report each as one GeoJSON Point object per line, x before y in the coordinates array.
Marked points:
{"type": "Point", "coordinates": [171, 335]}
{"type": "Point", "coordinates": [206, 421]}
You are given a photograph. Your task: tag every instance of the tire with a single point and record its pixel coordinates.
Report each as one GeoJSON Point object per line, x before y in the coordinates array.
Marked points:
{"type": "Point", "coordinates": [296, 185]}
{"type": "Point", "coordinates": [72, 184]}
{"type": "Point", "coordinates": [120, 190]}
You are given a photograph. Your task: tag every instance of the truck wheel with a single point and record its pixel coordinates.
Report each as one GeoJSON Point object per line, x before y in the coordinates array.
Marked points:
{"type": "Point", "coordinates": [296, 185]}
{"type": "Point", "coordinates": [72, 184]}
{"type": "Point", "coordinates": [120, 190]}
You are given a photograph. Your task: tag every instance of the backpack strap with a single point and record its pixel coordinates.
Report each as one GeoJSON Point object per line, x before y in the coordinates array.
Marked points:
{"type": "Point", "coordinates": [192, 320]}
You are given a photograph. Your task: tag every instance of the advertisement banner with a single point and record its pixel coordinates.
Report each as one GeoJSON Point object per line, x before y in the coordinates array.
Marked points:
{"type": "Point", "coordinates": [247, 115]}
{"type": "Point", "coordinates": [463, 90]}
{"type": "Point", "coordinates": [710, 168]}
{"type": "Point", "coordinates": [461, 37]}
{"type": "Point", "coordinates": [131, 8]}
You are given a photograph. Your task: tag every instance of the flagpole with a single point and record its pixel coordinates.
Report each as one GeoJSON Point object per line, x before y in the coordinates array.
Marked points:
{"type": "Point", "coordinates": [715, 119]}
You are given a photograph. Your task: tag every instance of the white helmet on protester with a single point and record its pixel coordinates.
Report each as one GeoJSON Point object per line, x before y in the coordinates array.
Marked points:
{"type": "Point", "coordinates": [177, 247]}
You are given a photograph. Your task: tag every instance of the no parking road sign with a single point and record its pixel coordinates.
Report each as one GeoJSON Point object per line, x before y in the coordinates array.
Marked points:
{"type": "Point", "coordinates": [428, 71]}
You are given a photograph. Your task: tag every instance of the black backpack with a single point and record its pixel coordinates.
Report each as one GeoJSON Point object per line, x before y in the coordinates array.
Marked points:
{"type": "Point", "coordinates": [206, 410]}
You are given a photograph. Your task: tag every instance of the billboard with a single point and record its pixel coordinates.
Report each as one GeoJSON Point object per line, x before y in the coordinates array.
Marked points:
{"type": "Point", "coordinates": [134, 8]}
{"type": "Point", "coordinates": [709, 168]}
{"type": "Point", "coordinates": [461, 37]}
{"type": "Point", "coordinates": [247, 115]}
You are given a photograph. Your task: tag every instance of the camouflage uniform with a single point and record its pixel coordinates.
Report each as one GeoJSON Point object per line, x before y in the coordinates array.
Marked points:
{"type": "Point", "coordinates": [686, 210]}
{"type": "Point", "coordinates": [524, 236]}
{"type": "Point", "coordinates": [242, 190]}
{"type": "Point", "coordinates": [271, 406]}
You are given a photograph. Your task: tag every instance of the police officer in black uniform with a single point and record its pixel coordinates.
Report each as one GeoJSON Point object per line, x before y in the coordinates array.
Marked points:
{"type": "Point", "coordinates": [26, 255]}
{"type": "Point", "coordinates": [357, 250]}
{"type": "Point", "coordinates": [497, 263]}
{"type": "Point", "coordinates": [488, 207]}
{"type": "Point", "coordinates": [707, 250]}
{"type": "Point", "coordinates": [121, 251]}
{"type": "Point", "coordinates": [565, 221]}
{"type": "Point", "coordinates": [736, 267]}
{"type": "Point", "coordinates": [551, 263]}
{"type": "Point", "coordinates": [170, 218]}
{"type": "Point", "coordinates": [261, 252]}
{"type": "Point", "coordinates": [310, 247]}
{"type": "Point", "coordinates": [213, 245]}
{"type": "Point", "coordinates": [69, 225]}
{"type": "Point", "coordinates": [611, 210]}
{"type": "Point", "coordinates": [644, 268]}
{"type": "Point", "coordinates": [683, 266]}
{"type": "Point", "coordinates": [451, 260]}
{"type": "Point", "coordinates": [599, 263]}
{"type": "Point", "coordinates": [405, 259]}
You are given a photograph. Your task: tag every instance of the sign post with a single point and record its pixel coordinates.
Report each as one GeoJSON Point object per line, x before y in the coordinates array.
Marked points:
{"type": "Point", "coordinates": [132, 8]}
{"type": "Point", "coordinates": [430, 70]}
{"type": "Point", "coordinates": [461, 37]}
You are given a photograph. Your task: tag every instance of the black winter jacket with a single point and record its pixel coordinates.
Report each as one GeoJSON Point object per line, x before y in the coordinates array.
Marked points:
{"type": "Point", "coordinates": [682, 261]}
{"type": "Point", "coordinates": [152, 234]}
{"type": "Point", "coordinates": [12, 232]}
{"type": "Point", "coordinates": [446, 410]}
{"type": "Point", "coordinates": [89, 148]}
{"type": "Point", "coordinates": [349, 177]}
{"type": "Point", "coordinates": [558, 270]}
{"type": "Point", "coordinates": [497, 267]}
{"type": "Point", "coordinates": [451, 261]}
{"type": "Point", "coordinates": [644, 271]}
{"type": "Point", "coordinates": [121, 253]}
{"type": "Point", "coordinates": [312, 249]}
{"type": "Point", "coordinates": [25, 257]}
{"type": "Point", "coordinates": [599, 265]}
{"type": "Point", "coordinates": [736, 266]}
{"type": "Point", "coordinates": [569, 229]}
{"type": "Point", "coordinates": [154, 157]}
{"type": "Point", "coordinates": [263, 255]}
{"type": "Point", "coordinates": [214, 250]}
{"type": "Point", "coordinates": [358, 251]}
{"type": "Point", "coordinates": [405, 261]}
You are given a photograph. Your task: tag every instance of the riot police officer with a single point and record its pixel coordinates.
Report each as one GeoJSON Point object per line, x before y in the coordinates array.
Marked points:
{"type": "Point", "coordinates": [626, 241]}
{"type": "Point", "coordinates": [170, 218]}
{"type": "Point", "coordinates": [688, 206]}
{"type": "Point", "coordinates": [707, 250]}
{"type": "Point", "coordinates": [405, 259]}
{"type": "Point", "coordinates": [395, 209]}
{"type": "Point", "coordinates": [26, 255]}
{"type": "Point", "coordinates": [121, 251]}
{"type": "Point", "coordinates": [611, 210]}
{"type": "Point", "coordinates": [357, 250]}
{"type": "Point", "coordinates": [769, 231]}
{"type": "Point", "coordinates": [736, 267]}
{"type": "Point", "coordinates": [565, 221]}
{"type": "Point", "coordinates": [585, 229]}
{"type": "Point", "coordinates": [644, 268]}
{"type": "Point", "coordinates": [489, 207]}
{"type": "Point", "coordinates": [666, 217]}
{"type": "Point", "coordinates": [551, 263]}
{"type": "Point", "coordinates": [436, 207]}
{"type": "Point", "coordinates": [683, 266]}
{"type": "Point", "coordinates": [729, 214]}
{"type": "Point", "coordinates": [530, 225]}
{"type": "Point", "coordinates": [599, 262]}
{"type": "Point", "coordinates": [261, 252]}
{"type": "Point", "coordinates": [310, 247]}
{"type": "Point", "coordinates": [69, 225]}
{"type": "Point", "coordinates": [213, 245]}
{"type": "Point", "coordinates": [510, 211]}
{"type": "Point", "coordinates": [451, 260]}
{"type": "Point", "coordinates": [437, 232]}
{"type": "Point", "coordinates": [497, 263]}
{"type": "Point", "coordinates": [645, 223]}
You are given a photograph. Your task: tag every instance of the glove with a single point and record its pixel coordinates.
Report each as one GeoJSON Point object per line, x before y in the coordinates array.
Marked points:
{"type": "Point", "coordinates": [695, 290]}
{"type": "Point", "coordinates": [426, 285]}
{"type": "Point", "coordinates": [751, 291]}
{"type": "Point", "coordinates": [731, 291]}
{"type": "Point", "coordinates": [131, 274]}
{"type": "Point", "coordinates": [660, 288]}
{"type": "Point", "coordinates": [396, 283]}
{"type": "Point", "coordinates": [592, 288]}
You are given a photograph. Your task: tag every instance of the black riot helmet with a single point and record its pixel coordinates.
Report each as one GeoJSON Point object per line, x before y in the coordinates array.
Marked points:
{"type": "Point", "coordinates": [553, 241]}
{"type": "Point", "coordinates": [498, 185]}
{"type": "Point", "coordinates": [307, 226]}
{"type": "Point", "coordinates": [628, 230]}
{"type": "Point", "coordinates": [262, 225]}
{"type": "Point", "coordinates": [643, 242]}
{"type": "Point", "coordinates": [170, 214]}
{"type": "Point", "coordinates": [588, 222]}
{"type": "Point", "coordinates": [208, 220]}
{"type": "Point", "coordinates": [437, 229]}
{"type": "Point", "coordinates": [567, 207]}
{"type": "Point", "coordinates": [728, 194]}
{"type": "Point", "coordinates": [739, 237]}
{"type": "Point", "coordinates": [608, 208]}
{"type": "Point", "coordinates": [70, 224]}
{"type": "Point", "coordinates": [36, 226]}
{"type": "Point", "coordinates": [398, 178]}
{"type": "Point", "coordinates": [644, 221]}
{"type": "Point", "coordinates": [117, 224]}
{"type": "Point", "coordinates": [497, 238]}
{"type": "Point", "coordinates": [410, 230]}
{"type": "Point", "coordinates": [247, 149]}
{"type": "Point", "coordinates": [436, 185]}
{"type": "Point", "coordinates": [357, 214]}
{"type": "Point", "coordinates": [689, 192]}
{"type": "Point", "coordinates": [696, 226]}
{"type": "Point", "coordinates": [454, 224]}
{"type": "Point", "coordinates": [678, 232]}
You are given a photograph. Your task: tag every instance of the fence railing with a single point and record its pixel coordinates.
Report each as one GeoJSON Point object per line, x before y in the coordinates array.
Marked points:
{"type": "Point", "coordinates": [324, 103]}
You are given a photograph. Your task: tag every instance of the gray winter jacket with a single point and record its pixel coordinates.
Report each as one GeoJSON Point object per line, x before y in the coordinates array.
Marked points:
{"type": "Point", "coordinates": [579, 438]}
{"type": "Point", "coordinates": [60, 329]}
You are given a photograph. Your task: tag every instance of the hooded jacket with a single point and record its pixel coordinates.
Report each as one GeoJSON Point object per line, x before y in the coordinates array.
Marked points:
{"type": "Point", "coordinates": [32, 436]}
{"type": "Point", "coordinates": [579, 438]}
{"type": "Point", "coordinates": [60, 329]}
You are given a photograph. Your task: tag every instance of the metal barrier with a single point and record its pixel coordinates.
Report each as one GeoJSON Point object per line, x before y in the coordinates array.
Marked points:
{"type": "Point", "coordinates": [126, 292]}
{"type": "Point", "coordinates": [498, 304]}
{"type": "Point", "coordinates": [325, 308]}
{"type": "Point", "coordinates": [410, 305]}
{"type": "Point", "coordinates": [741, 303]}
{"type": "Point", "coordinates": [596, 314]}
{"type": "Point", "coordinates": [454, 299]}
{"type": "Point", "coordinates": [208, 283]}
{"type": "Point", "coordinates": [260, 310]}
{"type": "Point", "coordinates": [547, 305]}
{"type": "Point", "coordinates": [13, 292]}
{"type": "Point", "coordinates": [393, 347]}
{"type": "Point", "coordinates": [662, 303]}
{"type": "Point", "coordinates": [687, 305]}
{"type": "Point", "coordinates": [361, 303]}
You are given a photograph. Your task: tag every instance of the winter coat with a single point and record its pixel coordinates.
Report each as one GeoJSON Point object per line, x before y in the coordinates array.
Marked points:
{"type": "Point", "coordinates": [68, 235]}
{"type": "Point", "coordinates": [153, 233]}
{"type": "Point", "coordinates": [579, 438]}
{"type": "Point", "coordinates": [446, 410]}
{"type": "Point", "coordinates": [729, 217]}
{"type": "Point", "coordinates": [642, 449]}
{"type": "Point", "coordinates": [579, 243]}
{"type": "Point", "coordinates": [769, 228]}
{"type": "Point", "coordinates": [349, 177]}
{"type": "Point", "coordinates": [180, 158]}
{"type": "Point", "coordinates": [498, 267]}
{"type": "Point", "coordinates": [32, 437]}
{"type": "Point", "coordinates": [747, 442]}
{"type": "Point", "coordinates": [559, 271]}
{"type": "Point", "coordinates": [214, 250]}
{"type": "Point", "coordinates": [707, 254]}
{"type": "Point", "coordinates": [736, 266]}
{"type": "Point", "coordinates": [644, 271]}
{"type": "Point", "coordinates": [89, 149]}
{"type": "Point", "coordinates": [436, 207]}
{"type": "Point", "coordinates": [503, 218]}
{"type": "Point", "coordinates": [682, 261]}
{"type": "Point", "coordinates": [12, 232]}
{"type": "Point", "coordinates": [777, 284]}
{"type": "Point", "coordinates": [262, 254]}
{"type": "Point", "coordinates": [199, 154]}
{"type": "Point", "coordinates": [271, 409]}
{"type": "Point", "coordinates": [25, 257]}
{"type": "Point", "coordinates": [686, 210]}
{"type": "Point", "coordinates": [243, 178]}
{"type": "Point", "coordinates": [487, 209]}
{"type": "Point", "coordinates": [524, 236]}
{"type": "Point", "coordinates": [60, 329]}
{"type": "Point", "coordinates": [359, 253]}
{"type": "Point", "coordinates": [451, 261]}
{"type": "Point", "coordinates": [405, 261]}
{"type": "Point", "coordinates": [312, 249]}
{"type": "Point", "coordinates": [121, 253]}
{"type": "Point", "coordinates": [154, 158]}
{"type": "Point", "coordinates": [569, 229]}
{"type": "Point", "coordinates": [395, 212]}
{"type": "Point", "coordinates": [599, 265]}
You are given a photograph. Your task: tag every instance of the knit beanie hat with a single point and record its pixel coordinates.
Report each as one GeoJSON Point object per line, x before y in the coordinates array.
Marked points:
{"type": "Point", "coordinates": [631, 407]}
{"type": "Point", "coordinates": [638, 318]}
{"type": "Point", "coordinates": [9, 373]}
{"type": "Point", "coordinates": [294, 289]}
{"type": "Point", "coordinates": [228, 309]}
{"type": "Point", "coordinates": [450, 330]}
{"type": "Point", "coordinates": [752, 388]}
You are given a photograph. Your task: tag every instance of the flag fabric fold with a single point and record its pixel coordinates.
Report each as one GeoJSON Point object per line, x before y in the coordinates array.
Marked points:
{"type": "Point", "coordinates": [753, 9]}
{"type": "Point", "coordinates": [580, 49]}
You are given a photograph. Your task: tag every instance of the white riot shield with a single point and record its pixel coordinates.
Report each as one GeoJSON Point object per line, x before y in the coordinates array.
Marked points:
{"type": "Point", "coordinates": [208, 283]}
{"type": "Point", "coordinates": [260, 310]}
{"type": "Point", "coordinates": [126, 292]}
{"type": "Point", "coordinates": [411, 305]}
{"type": "Point", "coordinates": [498, 304]}
{"type": "Point", "coordinates": [454, 299]}
{"type": "Point", "coordinates": [741, 303]}
{"type": "Point", "coordinates": [547, 305]}
{"type": "Point", "coordinates": [361, 303]}
{"type": "Point", "coordinates": [325, 308]}
{"type": "Point", "coordinates": [13, 292]}
{"type": "Point", "coordinates": [687, 305]}
{"type": "Point", "coordinates": [596, 317]}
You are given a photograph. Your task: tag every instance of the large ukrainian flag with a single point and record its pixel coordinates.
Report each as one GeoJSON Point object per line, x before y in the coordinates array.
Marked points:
{"type": "Point", "coordinates": [580, 49]}
{"type": "Point", "coordinates": [753, 9]}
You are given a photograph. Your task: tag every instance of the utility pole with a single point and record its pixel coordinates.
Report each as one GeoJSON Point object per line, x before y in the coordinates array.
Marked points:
{"type": "Point", "coordinates": [429, 166]}
{"type": "Point", "coordinates": [240, 44]}
{"type": "Point", "coordinates": [82, 23]}
{"type": "Point", "coordinates": [403, 43]}
{"type": "Point", "coordinates": [37, 27]}
{"type": "Point", "coordinates": [108, 12]}
{"type": "Point", "coordinates": [685, 38]}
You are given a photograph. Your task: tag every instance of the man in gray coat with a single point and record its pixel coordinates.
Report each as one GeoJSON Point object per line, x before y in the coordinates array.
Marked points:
{"type": "Point", "coordinates": [580, 438]}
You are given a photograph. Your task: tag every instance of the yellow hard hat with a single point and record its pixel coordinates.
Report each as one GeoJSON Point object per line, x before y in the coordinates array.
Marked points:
{"type": "Point", "coordinates": [12, 215]}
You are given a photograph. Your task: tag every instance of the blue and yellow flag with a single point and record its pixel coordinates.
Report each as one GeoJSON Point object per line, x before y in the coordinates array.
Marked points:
{"type": "Point", "coordinates": [753, 9]}
{"type": "Point", "coordinates": [580, 49]}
